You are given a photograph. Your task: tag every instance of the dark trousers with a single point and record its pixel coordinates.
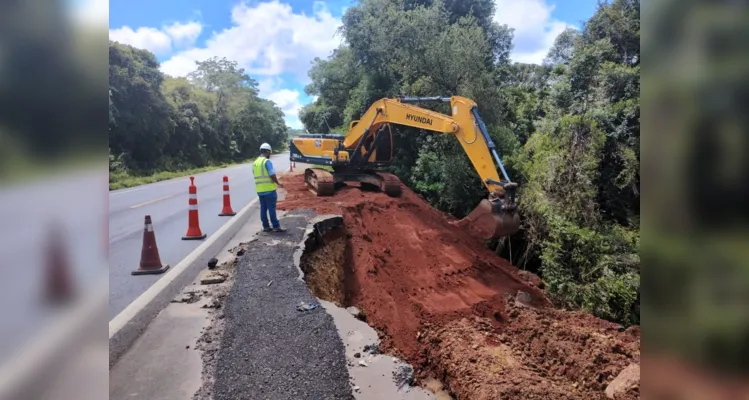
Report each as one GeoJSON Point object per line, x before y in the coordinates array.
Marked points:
{"type": "Point", "coordinates": [268, 206]}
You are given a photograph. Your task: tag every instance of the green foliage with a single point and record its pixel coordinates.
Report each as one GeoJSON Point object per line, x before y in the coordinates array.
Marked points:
{"type": "Point", "coordinates": [320, 118]}
{"type": "Point", "coordinates": [580, 198]}
{"type": "Point", "coordinates": [567, 130]}
{"type": "Point", "coordinates": [162, 124]}
{"type": "Point", "coordinates": [597, 271]}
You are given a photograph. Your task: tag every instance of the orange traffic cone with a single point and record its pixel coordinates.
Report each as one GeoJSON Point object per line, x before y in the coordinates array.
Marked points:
{"type": "Point", "coordinates": [291, 168]}
{"type": "Point", "coordinates": [193, 224]}
{"type": "Point", "coordinates": [58, 285]}
{"type": "Point", "coordinates": [150, 262]}
{"type": "Point", "coordinates": [226, 211]}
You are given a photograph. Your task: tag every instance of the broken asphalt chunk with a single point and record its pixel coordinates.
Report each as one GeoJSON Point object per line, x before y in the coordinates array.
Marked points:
{"type": "Point", "coordinates": [403, 375]}
{"type": "Point", "coordinates": [211, 279]}
{"type": "Point", "coordinates": [214, 303]}
{"type": "Point", "coordinates": [373, 349]}
{"type": "Point", "coordinates": [353, 311]}
{"type": "Point", "coordinates": [523, 299]}
{"type": "Point", "coordinates": [306, 306]}
{"type": "Point", "coordinates": [212, 263]}
{"type": "Point", "coordinates": [189, 296]}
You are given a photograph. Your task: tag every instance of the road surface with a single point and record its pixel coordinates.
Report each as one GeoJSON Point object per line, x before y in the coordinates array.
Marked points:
{"type": "Point", "coordinates": [74, 206]}
{"type": "Point", "coordinates": [166, 203]}
{"type": "Point", "coordinates": [75, 203]}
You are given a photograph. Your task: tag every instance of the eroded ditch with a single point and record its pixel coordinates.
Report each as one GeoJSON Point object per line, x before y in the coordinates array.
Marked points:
{"type": "Point", "coordinates": [326, 267]}
{"type": "Point", "coordinates": [324, 262]}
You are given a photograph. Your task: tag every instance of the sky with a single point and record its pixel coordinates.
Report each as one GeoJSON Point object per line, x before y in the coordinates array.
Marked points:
{"type": "Point", "coordinates": [276, 40]}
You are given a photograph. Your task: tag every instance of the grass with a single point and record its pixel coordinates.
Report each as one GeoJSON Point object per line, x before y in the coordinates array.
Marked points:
{"type": "Point", "coordinates": [123, 180]}
{"type": "Point", "coordinates": [23, 169]}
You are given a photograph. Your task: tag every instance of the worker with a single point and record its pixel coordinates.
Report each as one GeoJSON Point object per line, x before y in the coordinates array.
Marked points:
{"type": "Point", "coordinates": [265, 184]}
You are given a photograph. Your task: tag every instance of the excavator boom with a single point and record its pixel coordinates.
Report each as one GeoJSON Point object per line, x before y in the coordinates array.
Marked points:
{"type": "Point", "coordinates": [368, 146]}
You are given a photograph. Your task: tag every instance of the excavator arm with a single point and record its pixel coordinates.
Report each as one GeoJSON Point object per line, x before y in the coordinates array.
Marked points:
{"type": "Point", "coordinates": [465, 124]}
{"type": "Point", "coordinates": [354, 157]}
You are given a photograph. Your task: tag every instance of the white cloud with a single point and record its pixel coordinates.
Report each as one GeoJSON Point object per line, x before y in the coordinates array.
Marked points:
{"type": "Point", "coordinates": [151, 39]}
{"type": "Point", "coordinates": [184, 35]}
{"type": "Point", "coordinates": [535, 29]}
{"type": "Point", "coordinates": [288, 100]}
{"type": "Point", "coordinates": [266, 39]}
{"type": "Point", "coordinates": [90, 12]}
{"type": "Point", "coordinates": [158, 41]}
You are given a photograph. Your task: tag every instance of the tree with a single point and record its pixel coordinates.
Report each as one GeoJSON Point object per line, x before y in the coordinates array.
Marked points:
{"type": "Point", "coordinates": [561, 51]}
{"type": "Point", "coordinates": [568, 130]}
{"type": "Point", "coordinates": [163, 123]}
{"type": "Point", "coordinates": [143, 124]}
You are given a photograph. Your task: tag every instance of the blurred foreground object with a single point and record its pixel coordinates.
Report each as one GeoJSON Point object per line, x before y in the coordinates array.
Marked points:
{"type": "Point", "coordinates": [696, 224]}
{"type": "Point", "coordinates": [53, 80]}
{"type": "Point", "coordinates": [53, 86]}
{"type": "Point", "coordinates": [58, 287]}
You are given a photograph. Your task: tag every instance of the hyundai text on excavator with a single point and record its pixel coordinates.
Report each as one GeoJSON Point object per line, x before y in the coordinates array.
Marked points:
{"type": "Point", "coordinates": [359, 156]}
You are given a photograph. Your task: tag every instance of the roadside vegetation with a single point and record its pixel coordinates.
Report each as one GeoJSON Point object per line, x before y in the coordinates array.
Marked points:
{"type": "Point", "coordinates": [568, 130]}
{"type": "Point", "coordinates": [162, 127]}
{"type": "Point", "coordinates": [124, 179]}
{"type": "Point", "coordinates": [121, 178]}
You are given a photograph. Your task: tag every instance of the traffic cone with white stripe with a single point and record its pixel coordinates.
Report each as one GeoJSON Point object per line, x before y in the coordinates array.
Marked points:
{"type": "Point", "coordinates": [150, 262]}
{"type": "Point", "coordinates": [291, 168]}
{"type": "Point", "coordinates": [227, 211]}
{"type": "Point", "coordinates": [193, 224]}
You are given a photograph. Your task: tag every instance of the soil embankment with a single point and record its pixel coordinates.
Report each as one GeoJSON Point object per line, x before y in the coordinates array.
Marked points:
{"type": "Point", "coordinates": [456, 311]}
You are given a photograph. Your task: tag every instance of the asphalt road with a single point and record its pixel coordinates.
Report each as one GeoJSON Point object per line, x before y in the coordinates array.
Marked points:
{"type": "Point", "coordinates": [166, 202]}
{"type": "Point", "coordinates": [269, 348]}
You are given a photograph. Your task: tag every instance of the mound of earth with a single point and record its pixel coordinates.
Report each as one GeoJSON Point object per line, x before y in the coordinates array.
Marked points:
{"type": "Point", "coordinates": [459, 313]}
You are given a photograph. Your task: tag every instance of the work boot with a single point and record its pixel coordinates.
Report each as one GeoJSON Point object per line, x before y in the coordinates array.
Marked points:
{"type": "Point", "coordinates": [279, 230]}
{"type": "Point", "coordinates": [267, 230]}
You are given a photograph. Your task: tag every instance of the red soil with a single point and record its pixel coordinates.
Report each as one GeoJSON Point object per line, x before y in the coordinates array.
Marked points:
{"type": "Point", "coordinates": [456, 311]}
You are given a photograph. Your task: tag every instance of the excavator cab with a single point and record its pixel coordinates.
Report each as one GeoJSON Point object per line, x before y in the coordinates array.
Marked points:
{"type": "Point", "coordinates": [377, 148]}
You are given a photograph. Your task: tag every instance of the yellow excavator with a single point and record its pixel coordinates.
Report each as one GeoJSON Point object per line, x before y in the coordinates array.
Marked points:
{"type": "Point", "coordinates": [359, 156]}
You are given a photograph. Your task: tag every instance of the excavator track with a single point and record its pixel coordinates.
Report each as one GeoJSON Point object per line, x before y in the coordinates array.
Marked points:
{"type": "Point", "coordinates": [389, 184]}
{"type": "Point", "coordinates": [319, 181]}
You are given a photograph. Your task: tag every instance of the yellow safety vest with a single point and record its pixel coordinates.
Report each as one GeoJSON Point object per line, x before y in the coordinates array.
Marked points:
{"type": "Point", "coordinates": [263, 183]}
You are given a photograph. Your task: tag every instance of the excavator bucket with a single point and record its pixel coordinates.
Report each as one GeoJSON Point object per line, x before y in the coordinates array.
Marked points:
{"type": "Point", "coordinates": [494, 217]}
{"type": "Point", "coordinates": [488, 221]}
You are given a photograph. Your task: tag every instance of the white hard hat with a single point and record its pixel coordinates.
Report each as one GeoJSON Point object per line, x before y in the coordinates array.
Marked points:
{"type": "Point", "coordinates": [265, 146]}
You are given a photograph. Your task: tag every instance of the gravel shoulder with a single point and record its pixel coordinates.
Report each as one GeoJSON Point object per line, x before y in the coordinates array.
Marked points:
{"type": "Point", "coordinates": [271, 347]}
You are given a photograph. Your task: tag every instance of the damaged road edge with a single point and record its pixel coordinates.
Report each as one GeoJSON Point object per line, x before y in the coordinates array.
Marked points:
{"type": "Point", "coordinates": [317, 226]}
{"type": "Point", "coordinates": [372, 374]}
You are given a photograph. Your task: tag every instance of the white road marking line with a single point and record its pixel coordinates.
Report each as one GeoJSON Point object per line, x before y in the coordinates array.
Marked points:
{"type": "Point", "coordinates": [127, 191]}
{"type": "Point", "coordinates": [119, 321]}
{"type": "Point", "coordinates": [145, 203]}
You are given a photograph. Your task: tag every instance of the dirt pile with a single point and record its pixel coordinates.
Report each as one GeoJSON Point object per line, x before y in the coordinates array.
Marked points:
{"type": "Point", "coordinates": [456, 311]}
